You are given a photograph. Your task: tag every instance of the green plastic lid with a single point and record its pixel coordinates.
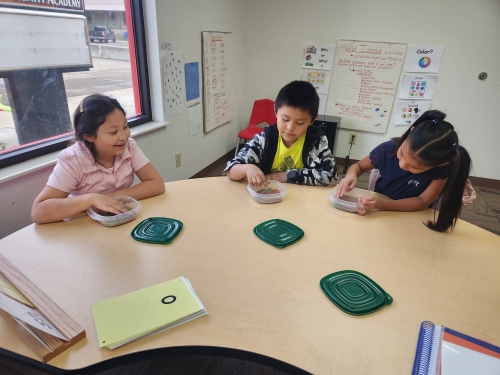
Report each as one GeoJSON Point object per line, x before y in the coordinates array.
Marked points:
{"type": "Point", "coordinates": [160, 230]}
{"type": "Point", "coordinates": [354, 293]}
{"type": "Point", "coordinates": [278, 233]}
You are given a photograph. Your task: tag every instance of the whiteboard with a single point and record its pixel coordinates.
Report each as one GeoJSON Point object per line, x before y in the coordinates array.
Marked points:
{"type": "Point", "coordinates": [364, 82]}
{"type": "Point", "coordinates": [33, 40]}
{"type": "Point", "coordinates": [217, 84]}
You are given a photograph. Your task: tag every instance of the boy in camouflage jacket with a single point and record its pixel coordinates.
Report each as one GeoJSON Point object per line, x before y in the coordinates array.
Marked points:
{"type": "Point", "coordinates": [296, 109]}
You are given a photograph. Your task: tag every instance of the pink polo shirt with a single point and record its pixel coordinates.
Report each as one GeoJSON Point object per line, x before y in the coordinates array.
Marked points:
{"type": "Point", "coordinates": [77, 173]}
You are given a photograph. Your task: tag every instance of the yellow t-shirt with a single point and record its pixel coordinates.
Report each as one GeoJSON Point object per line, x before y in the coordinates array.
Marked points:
{"type": "Point", "coordinates": [288, 158]}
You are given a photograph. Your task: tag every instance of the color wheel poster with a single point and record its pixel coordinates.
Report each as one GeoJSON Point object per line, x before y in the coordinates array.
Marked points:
{"type": "Point", "coordinates": [419, 86]}
{"type": "Point", "coordinates": [423, 59]}
{"type": "Point", "coordinates": [364, 82]}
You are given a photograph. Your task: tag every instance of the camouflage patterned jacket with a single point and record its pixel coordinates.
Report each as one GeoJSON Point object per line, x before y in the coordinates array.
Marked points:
{"type": "Point", "coordinates": [319, 164]}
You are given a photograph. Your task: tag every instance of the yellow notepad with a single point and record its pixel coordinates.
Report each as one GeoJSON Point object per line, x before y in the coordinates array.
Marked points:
{"type": "Point", "coordinates": [126, 318]}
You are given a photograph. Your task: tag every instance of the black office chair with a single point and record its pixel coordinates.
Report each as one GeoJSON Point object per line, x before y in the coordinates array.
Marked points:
{"type": "Point", "coordinates": [177, 360]}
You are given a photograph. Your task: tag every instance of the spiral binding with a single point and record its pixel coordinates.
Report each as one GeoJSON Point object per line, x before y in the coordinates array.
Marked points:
{"type": "Point", "coordinates": [424, 349]}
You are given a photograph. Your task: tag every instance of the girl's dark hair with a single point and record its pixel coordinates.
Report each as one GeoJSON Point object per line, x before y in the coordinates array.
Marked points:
{"type": "Point", "coordinates": [434, 142]}
{"type": "Point", "coordinates": [90, 114]}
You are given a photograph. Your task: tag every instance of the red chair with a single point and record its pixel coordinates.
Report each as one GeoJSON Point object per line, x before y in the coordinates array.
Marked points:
{"type": "Point", "coordinates": [263, 111]}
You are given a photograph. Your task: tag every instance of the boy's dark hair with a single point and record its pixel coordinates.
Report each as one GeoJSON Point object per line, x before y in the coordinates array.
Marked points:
{"type": "Point", "coordinates": [90, 114]}
{"type": "Point", "coordinates": [299, 94]}
{"type": "Point", "coordinates": [434, 142]}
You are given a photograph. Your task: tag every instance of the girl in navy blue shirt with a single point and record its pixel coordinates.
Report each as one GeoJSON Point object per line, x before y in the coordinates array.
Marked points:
{"type": "Point", "coordinates": [424, 165]}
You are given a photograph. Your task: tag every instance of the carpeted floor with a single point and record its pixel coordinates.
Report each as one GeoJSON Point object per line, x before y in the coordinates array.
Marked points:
{"type": "Point", "coordinates": [484, 212]}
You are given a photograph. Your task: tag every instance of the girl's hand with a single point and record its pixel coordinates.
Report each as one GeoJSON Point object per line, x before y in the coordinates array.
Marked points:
{"type": "Point", "coordinates": [368, 204]}
{"type": "Point", "coordinates": [109, 204]}
{"type": "Point", "coordinates": [346, 184]}
{"type": "Point", "coordinates": [255, 176]}
{"type": "Point", "coordinates": [277, 176]}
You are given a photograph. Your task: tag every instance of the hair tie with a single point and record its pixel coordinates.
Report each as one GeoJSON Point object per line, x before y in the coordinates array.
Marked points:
{"type": "Point", "coordinates": [434, 121]}
{"type": "Point", "coordinates": [81, 106]}
{"type": "Point", "coordinates": [453, 146]}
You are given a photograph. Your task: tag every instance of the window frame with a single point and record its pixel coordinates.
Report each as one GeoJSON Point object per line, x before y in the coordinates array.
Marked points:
{"type": "Point", "coordinates": [61, 142]}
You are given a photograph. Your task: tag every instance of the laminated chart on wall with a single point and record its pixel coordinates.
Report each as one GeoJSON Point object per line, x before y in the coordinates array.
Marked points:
{"type": "Point", "coordinates": [423, 59]}
{"type": "Point", "coordinates": [407, 113]}
{"type": "Point", "coordinates": [320, 79]}
{"type": "Point", "coordinates": [192, 81]}
{"type": "Point", "coordinates": [195, 117]}
{"type": "Point", "coordinates": [418, 86]}
{"type": "Point", "coordinates": [217, 85]}
{"type": "Point", "coordinates": [174, 86]}
{"type": "Point", "coordinates": [364, 83]}
{"type": "Point", "coordinates": [318, 57]}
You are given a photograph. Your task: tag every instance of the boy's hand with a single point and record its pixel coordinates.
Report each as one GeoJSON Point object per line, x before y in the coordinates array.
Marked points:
{"type": "Point", "coordinates": [109, 204]}
{"type": "Point", "coordinates": [346, 184]}
{"type": "Point", "coordinates": [368, 204]}
{"type": "Point", "coordinates": [255, 176]}
{"type": "Point", "coordinates": [277, 176]}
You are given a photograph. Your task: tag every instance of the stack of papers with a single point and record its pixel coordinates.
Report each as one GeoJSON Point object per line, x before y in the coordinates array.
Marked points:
{"type": "Point", "coordinates": [142, 313]}
{"type": "Point", "coordinates": [14, 303]}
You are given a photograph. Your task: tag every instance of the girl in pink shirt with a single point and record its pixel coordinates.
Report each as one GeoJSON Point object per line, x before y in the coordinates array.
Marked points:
{"type": "Point", "coordinates": [98, 166]}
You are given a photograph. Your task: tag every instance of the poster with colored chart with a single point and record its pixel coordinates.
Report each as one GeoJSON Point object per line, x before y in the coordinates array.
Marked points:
{"type": "Point", "coordinates": [423, 59]}
{"type": "Point", "coordinates": [419, 87]}
{"type": "Point", "coordinates": [318, 57]}
{"type": "Point", "coordinates": [408, 112]}
{"type": "Point", "coordinates": [364, 82]}
{"type": "Point", "coordinates": [320, 79]}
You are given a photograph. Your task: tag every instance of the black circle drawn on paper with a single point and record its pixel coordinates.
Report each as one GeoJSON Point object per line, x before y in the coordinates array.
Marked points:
{"type": "Point", "coordinates": [169, 302]}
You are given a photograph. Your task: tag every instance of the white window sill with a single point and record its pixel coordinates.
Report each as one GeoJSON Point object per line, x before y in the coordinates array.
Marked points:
{"type": "Point", "coordinates": [17, 170]}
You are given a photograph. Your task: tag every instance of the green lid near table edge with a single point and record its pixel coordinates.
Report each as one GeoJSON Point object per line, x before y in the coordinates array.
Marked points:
{"type": "Point", "coordinates": [354, 293]}
{"type": "Point", "coordinates": [278, 233]}
{"type": "Point", "coordinates": [157, 230]}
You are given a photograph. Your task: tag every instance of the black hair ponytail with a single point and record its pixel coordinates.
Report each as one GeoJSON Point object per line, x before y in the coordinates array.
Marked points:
{"type": "Point", "coordinates": [435, 142]}
{"type": "Point", "coordinates": [453, 190]}
{"type": "Point", "coordinates": [90, 114]}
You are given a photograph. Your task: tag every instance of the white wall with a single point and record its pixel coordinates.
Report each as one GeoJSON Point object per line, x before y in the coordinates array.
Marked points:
{"type": "Point", "coordinates": [276, 32]}
{"type": "Point", "coordinates": [179, 23]}
{"type": "Point", "coordinates": [269, 37]}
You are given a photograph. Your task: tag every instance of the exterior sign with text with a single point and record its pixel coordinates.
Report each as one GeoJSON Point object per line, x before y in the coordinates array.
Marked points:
{"type": "Point", "coordinates": [65, 5]}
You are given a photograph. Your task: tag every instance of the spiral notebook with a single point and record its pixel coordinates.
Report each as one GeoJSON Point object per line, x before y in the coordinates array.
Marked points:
{"type": "Point", "coordinates": [443, 351]}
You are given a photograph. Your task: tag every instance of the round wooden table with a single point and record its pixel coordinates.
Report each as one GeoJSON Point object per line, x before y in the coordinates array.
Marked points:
{"type": "Point", "coordinates": [263, 299]}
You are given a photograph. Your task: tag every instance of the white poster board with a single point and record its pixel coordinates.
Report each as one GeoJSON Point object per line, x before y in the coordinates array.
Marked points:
{"type": "Point", "coordinates": [407, 113]}
{"type": "Point", "coordinates": [364, 82]}
{"type": "Point", "coordinates": [217, 85]}
{"type": "Point", "coordinates": [174, 83]}
{"type": "Point", "coordinates": [417, 86]}
{"type": "Point", "coordinates": [423, 59]}
{"type": "Point", "coordinates": [318, 57]}
{"type": "Point", "coordinates": [320, 79]}
{"type": "Point", "coordinates": [33, 39]}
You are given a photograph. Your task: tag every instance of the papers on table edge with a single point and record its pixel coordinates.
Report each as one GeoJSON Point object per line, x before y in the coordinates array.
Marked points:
{"type": "Point", "coordinates": [30, 316]}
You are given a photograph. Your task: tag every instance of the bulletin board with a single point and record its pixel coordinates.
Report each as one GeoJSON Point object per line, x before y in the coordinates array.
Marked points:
{"type": "Point", "coordinates": [31, 39]}
{"type": "Point", "coordinates": [217, 85]}
{"type": "Point", "coordinates": [364, 82]}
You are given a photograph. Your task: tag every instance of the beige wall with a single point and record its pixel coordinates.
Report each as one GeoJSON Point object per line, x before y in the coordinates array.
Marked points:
{"type": "Point", "coordinates": [269, 37]}
{"type": "Point", "coordinates": [276, 32]}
